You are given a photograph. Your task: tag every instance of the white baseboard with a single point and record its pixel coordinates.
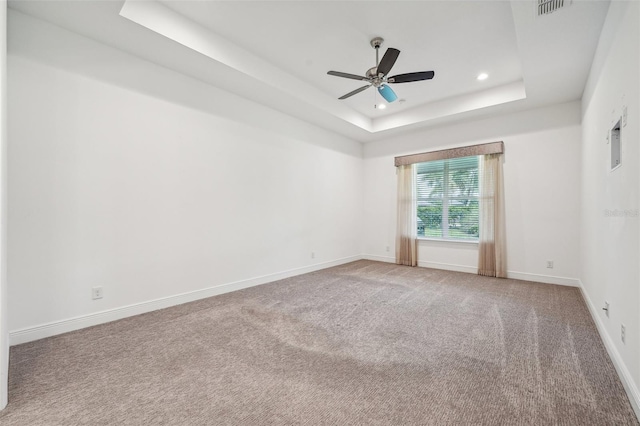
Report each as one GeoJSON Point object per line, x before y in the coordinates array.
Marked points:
{"type": "Point", "coordinates": [623, 372]}
{"type": "Point", "coordinates": [546, 279]}
{"type": "Point", "coordinates": [449, 267]}
{"type": "Point", "coordinates": [434, 265]}
{"type": "Point", "coordinates": [71, 324]}
{"type": "Point", "coordinates": [387, 259]}
{"type": "Point", "coordinates": [524, 276]}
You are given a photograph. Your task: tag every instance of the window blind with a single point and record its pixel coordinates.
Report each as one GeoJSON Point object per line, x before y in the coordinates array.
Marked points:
{"type": "Point", "coordinates": [447, 198]}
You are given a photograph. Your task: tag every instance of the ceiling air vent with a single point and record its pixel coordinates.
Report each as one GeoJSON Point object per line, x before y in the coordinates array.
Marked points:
{"type": "Point", "coordinates": [549, 6]}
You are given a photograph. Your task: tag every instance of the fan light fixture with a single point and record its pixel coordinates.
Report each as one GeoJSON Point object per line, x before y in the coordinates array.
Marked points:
{"type": "Point", "coordinates": [386, 92]}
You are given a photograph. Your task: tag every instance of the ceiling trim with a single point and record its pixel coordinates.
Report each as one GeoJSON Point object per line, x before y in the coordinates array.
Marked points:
{"type": "Point", "coordinates": [162, 20]}
{"type": "Point", "coordinates": [453, 106]}
{"type": "Point", "coordinates": [170, 24]}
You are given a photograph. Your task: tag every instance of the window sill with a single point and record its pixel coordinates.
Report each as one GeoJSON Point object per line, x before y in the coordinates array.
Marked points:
{"type": "Point", "coordinates": [442, 240]}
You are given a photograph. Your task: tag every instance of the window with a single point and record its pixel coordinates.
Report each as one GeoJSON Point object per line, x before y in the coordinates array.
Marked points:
{"type": "Point", "coordinates": [447, 199]}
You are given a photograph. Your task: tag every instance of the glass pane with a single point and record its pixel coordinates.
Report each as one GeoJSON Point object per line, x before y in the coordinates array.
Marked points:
{"type": "Point", "coordinates": [430, 218]}
{"type": "Point", "coordinates": [463, 181]}
{"type": "Point", "coordinates": [430, 185]}
{"type": "Point", "coordinates": [463, 219]}
{"type": "Point", "coordinates": [430, 167]}
{"type": "Point", "coordinates": [463, 163]}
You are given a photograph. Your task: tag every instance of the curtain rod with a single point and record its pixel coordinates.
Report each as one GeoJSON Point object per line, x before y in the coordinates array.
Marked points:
{"type": "Point", "coordinates": [464, 151]}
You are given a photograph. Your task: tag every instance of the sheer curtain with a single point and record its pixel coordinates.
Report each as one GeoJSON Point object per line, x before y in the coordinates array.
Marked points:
{"type": "Point", "coordinates": [406, 235]}
{"type": "Point", "coordinates": [492, 247]}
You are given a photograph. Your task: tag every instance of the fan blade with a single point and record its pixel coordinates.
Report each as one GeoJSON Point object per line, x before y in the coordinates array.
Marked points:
{"type": "Point", "coordinates": [346, 75]}
{"type": "Point", "coordinates": [388, 60]}
{"type": "Point", "coordinates": [412, 76]}
{"type": "Point", "coordinates": [355, 92]}
{"type": "Point", "coordinates": [387, 93]}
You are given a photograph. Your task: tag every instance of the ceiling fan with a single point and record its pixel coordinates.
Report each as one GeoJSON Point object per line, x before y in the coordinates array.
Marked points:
{"type": "Point", "coordinates": [377, 76]}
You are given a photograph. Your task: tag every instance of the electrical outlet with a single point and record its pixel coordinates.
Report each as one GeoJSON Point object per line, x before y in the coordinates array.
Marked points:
{"type": "Point", "coordinates": [96, 293]}
{"type": "Point", "coordinates": [313, 255]}
{"type": "Point", "coordinates": [388, 248]}
{"type": "Point", "coordinates": [606, 308]}
{"type": "Point", "coordinates": [550, 264]}
{"type": "Point", "coordinates": [623, 333]}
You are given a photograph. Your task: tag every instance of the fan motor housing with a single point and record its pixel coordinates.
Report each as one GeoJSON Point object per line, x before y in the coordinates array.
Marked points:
{"type": "Point", "coordinates": [372, 75]}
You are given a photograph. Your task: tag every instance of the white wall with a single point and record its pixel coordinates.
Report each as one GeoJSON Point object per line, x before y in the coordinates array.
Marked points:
{"type": "Point", "coordinates": [151, 199]}
{"type": "Point", "coordinates": [542, 192]}
{"type": "Point", "coordinates": [4, 329]}
{"type": "Point", "coordinates": [163, 189]}
{"type": "Point", "coordinates": [610, 243]}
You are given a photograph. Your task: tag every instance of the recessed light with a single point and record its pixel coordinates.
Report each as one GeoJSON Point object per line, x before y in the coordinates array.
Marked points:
{"type": "Point", "coordinates": [482, 76]}
{"type": "Point", "coordinates": [381, 106]}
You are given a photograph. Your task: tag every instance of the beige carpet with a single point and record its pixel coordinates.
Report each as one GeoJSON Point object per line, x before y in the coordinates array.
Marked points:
{"type": "Point", "coordinates": [365, 343]}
